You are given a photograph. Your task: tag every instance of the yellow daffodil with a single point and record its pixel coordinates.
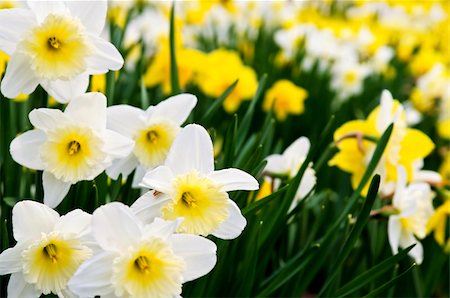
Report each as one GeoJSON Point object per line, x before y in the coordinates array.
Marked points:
{"type": "Point", "coordinates": [438, 224]}
{"type": "Point", "coordinates": [406, 146]}
{"type": "Point", "coordinates": [286, 98]}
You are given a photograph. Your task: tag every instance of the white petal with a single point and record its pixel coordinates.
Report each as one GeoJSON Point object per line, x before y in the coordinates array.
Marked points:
{"type": "Point", "coordinates": [199, 254]}
{"type": "Point", "coordinates": [106, 57]}
{"type": "Point", "coordinates": [161, 228]}
{"type": "Point", "coordinates": [385, 115]}
{"type": "Point", "coordinates": [54, 190]}
{"type": "Point", "coordinates": [399, 188]}
{"type": "Point", "coordinates": [24, 149]}
{"type": "Point", "coordinates": [89, 108]}
{"type": "Point", "coordinates": [115, 227]}
{"type": "Point", "coordinates": [19, 78]}
{"type": "Point", "coordinates": [30, 219]}
{"type": "Point", "coordinates": [43, 8]}
{"type": "Point", "coordinates": [93, 277]}
{"type": "Point", "coordinates": [234, 179]}
{"type": "Point", "coordinates": [117, 145]}
{"type": "Point", "coordinates": [46, 119]}
{"type": "Point", "coordinates": [408, 239]}
{"type": "Point", "coordinates": [148, 206]}
{"type": "Point", "coordinates": [13, 24]}
{"type": "Point", "coordinates": [277, 164]}
{"type": "Point", "coordinates": [138, 176]}
{"type": "Point", "coordinates": [233, 226]}
{"type": "Point", "coordinates": [191, 149]}
{"type": "Point", "coordinates": [427, 176]}
{"type": "Point", "coordinates": [19, 288]}
{"type": "Point", "coordinates": [298, 149]}
{"type": "Point", "coordinates": [64, 91]}
{"type": "Point", "coordinates": [306, 184]}
{"type": "Point", "coordinates": [394, 230]}
{"type": "Point", "coordinates": [77, 222]}
{"type": "Point", "coordinates": [11, 259]}
{"type": "Point", "coordinates": [125, 119]}
{"type": "Point", "coordinates": [176, 108]}
{"type": "Point", "coordinates": [122, 166]}
{"type": "Point", "coordinates": [159, 179]}
{"type": "Point", "coordinates": [92, 14]}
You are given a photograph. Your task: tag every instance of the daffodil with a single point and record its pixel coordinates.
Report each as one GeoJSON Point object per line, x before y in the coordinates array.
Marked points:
{"type": "Point", "coordinates": [191, 189]}
{"type": "Point", "coordinates": [153, 131]}
{"type": "Point", "coordinates": [49, 249]}
{"type": "Point", "coordinates": [356, 142]}
{"type": "Point", "coordinates": [55, 44]}
{"type": "Point", "coordinates": [286, 99]}
{"type": "Point", "coordinates": [348, 77]}
{"type": "Point", "coordinates": [70, 146]}
{"type": "Point", "coordinates": [438, 223]}
{"type": "Point", "coordinates": [414, 207]}
{"type": "Point", "coordinates": [138, 260]}
{"type": "Point", "coordinates": [289, 163]}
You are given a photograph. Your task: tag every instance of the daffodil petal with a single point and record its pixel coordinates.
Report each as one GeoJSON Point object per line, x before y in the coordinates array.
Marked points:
{"type": "Point", "coordinates": [89, 109]}
{"type": "Point", "coordinates": [65, 91]}
{"type": "Point", "coordinates": [234, 179]}
{"type": "Point", "coordinates": [198, 252]}
{"type": "Point", "coordinates": [394, 230]}
{"type": "Point", "coordinates": [46, 119]}
{"type": "Point", "coordinates": [24, 149]}
{"type": "Point", "coordinates": [30, 219]}
{"type": "Point", "coordinates": [148, 206]}
{"type": "Point", "coordinates": [93, 277]}
{"type": "Point", "coordinates": [18, 287]}
{"type": "Point", "coordinates": [122, 166]}
{"type": "Point", "coordinates": [11, 259]}
{"type": "Point", "coordinates": [116, 145]}
{"type": "Point", "coordinates": [299, 147]}
{"type": "Point", "coordinates": [54, 190]}
{"type": "Point", "coordinates": [176, 108]}
{"type": "Point", "coordinates": [92, 14]}
{"type": "Point", "coordinates": [415, 145]}
{"type": "Point", "coordinates": [159, 179]}
{"type": "Point", "coordinates": [19, 78]}
{"type": "Point", "coordinates": [76, 221]}
{"type": "Point", "coordinates": [233, 225]}
{"type": "Point", "coordinates": [125, 119]}
{"type": "Point", "coordinates": [13, 23]}
{"type": "Point", "coordinates": [191, 149]}
{"type": "Point", "coordinates": [277, 164]}
{"type": "Point", "coordinates": [42, 9]}
{"type": "Point", "coordinates": [106, 57]}
{"type": "Point", "coordinates": [115, 227]}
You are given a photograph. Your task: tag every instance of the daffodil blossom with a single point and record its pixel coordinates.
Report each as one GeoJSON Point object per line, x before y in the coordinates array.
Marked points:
{"type": "Point", "coordinates": [289, 163]}
{"type": "Point", "coordinates": [49, 249]}
{"type": "Point", "coordinates": [191, 189]}
{"type": "Point", "coordinates": [70, 146]}
{"type": "Point", "coordinates": [414, 205]}
{"type": "Point", "coordinates": [55, 44]}
{"type": "Point", "coordinates": [153, 131]}
{"type": "Point", "coordinates": [138, 260]}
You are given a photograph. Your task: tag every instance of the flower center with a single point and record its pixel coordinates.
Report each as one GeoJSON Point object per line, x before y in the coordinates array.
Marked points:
{"type": "Point", "coordinates": [143, 264]}
{"type": "Point", "coordinates": [57, 48]}
{"type": "Point", "coordinates": [53, 43]}
{"type": "Point", "coordinates": [152, 137]}
{"type": "Point", "coordinates": [50, 252]}
{"type": "Point", "coordinates": [200, 202]}
{"type": "Point", "coordinates": [73, 147]}
{"type": "Point", "coordinates": [153, 143]}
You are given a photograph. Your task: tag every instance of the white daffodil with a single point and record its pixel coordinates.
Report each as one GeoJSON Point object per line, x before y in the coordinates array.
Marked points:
{"type": "Point", "coordinates": [140, 260]}
{"type": "Point", "coordinates": [414, 205]}
{"type": "Point", "coordinates": [153, 131]}
{"type": "Point", "coordinates": [191, 189]}
{"type": "Point", "coordinates": [70, 146]}
{"type": "Point", "coordinates": [348, 77]}
{"type": "Point", "coordinates": [289, 163]}
{"type": "Point", "coordinates": [49, 249]}
{"type": "Point", "coordinates": [55, 44]}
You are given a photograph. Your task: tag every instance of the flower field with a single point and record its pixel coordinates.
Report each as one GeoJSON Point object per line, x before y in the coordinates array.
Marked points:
{"type": "Point", "coordinates": [225, 148]}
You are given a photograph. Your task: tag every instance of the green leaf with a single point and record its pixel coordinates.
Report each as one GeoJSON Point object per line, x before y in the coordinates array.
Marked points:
{"type": "Point", "coordinates": [371, 274]}
{"type": "Point", "coordinates": [354, 234]}
{"type": "Point", "coordinates": [218, 103]}
{"type": "Point", "coordinates": [175, 84]}
{"type": "Point", "coordinates": [10, 201]}
{"type": "Point", "coordinates": [248, 117]}
{"type": "Point", "coordinates": [145, 102]}
{"type": "Point", "coordinates": [378, 292]}
{"type": "Point", "coordinates": [255, 206]}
